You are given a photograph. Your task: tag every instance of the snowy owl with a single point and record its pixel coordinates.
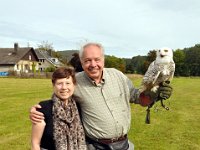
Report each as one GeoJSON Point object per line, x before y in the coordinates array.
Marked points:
{"type": "Point", "coordinates": [160, 70]}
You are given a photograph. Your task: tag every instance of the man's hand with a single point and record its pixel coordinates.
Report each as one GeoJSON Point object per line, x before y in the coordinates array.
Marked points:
{"type": "Point", "coordinates": [164, 91]}
{"type": "Point", "coordinates": [148, 98]}
{"type": "Point", "coordinates": [34, 115]}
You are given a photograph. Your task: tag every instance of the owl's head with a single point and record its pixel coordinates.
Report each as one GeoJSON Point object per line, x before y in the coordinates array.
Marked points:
{"type": "Point", "coordinates": [164, 55]}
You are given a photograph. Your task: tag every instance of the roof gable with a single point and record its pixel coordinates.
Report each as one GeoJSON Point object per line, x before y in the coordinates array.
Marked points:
{"type": "Point", "coordinates": [41, 54]}
{"type": "Point", "coordinates": [9, 56]}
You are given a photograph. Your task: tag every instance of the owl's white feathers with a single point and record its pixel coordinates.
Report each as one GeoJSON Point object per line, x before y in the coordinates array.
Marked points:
{"type": "Point", "coordinates": [160, 70]}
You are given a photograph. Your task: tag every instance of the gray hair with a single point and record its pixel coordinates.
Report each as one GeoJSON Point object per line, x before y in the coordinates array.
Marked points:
{"type": "Point", "coordinates": [89, 44]}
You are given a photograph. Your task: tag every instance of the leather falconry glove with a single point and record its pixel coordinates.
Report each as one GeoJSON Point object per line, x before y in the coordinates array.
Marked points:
{"type": "Point", "coordinates": [164, 92]}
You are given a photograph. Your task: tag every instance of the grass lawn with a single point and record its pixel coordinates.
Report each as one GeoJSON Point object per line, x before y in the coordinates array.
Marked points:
{"type": "Point", "coordinates": [176, 129]}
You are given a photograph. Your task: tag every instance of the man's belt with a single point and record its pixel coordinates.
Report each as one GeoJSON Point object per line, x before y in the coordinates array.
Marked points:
{"type": "Point", "coordinates": [112, 140]}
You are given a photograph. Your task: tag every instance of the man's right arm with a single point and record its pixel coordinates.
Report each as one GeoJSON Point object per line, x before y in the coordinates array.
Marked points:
{"type": "Point", "coordinates": [34, 115]}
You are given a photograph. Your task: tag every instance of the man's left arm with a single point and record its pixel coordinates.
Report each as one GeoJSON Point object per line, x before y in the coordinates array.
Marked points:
{"type": "Point", "coordinates": [146, 98]}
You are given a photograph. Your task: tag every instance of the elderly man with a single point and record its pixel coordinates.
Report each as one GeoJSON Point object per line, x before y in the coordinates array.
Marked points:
{"type": "Point", "coordinates": [104, 96]}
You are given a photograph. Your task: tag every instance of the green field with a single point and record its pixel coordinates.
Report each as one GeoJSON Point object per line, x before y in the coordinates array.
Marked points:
{"type": "Point", "coordinates": [176, 129]}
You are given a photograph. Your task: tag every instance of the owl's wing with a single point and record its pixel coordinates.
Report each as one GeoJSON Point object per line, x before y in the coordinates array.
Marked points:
{"type": "Point", "coordinates": [150, 76]}
{"type": "Point", "coordinates": [152, 73]}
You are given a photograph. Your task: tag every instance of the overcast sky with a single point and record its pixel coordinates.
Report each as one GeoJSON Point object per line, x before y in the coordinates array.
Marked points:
{"type": "Point", "coordinates": [126, 28]}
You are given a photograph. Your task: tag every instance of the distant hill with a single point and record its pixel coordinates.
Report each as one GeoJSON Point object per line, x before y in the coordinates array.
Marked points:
{"type": "Point", "coordinates": [67, 54]}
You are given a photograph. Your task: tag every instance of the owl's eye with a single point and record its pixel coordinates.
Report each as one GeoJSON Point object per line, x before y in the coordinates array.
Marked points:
{"type": "Point", "coordinates": [166, 50]}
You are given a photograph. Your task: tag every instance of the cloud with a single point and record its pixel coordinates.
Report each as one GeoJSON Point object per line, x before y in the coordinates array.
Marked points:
{"type": "Point", "coordinates": [125, 28]}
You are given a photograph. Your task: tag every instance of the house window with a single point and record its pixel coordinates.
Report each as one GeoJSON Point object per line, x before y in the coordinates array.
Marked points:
{"type": "Point", "coordinates": [26, 67]}
{"type": "Point", "coordinates": [29, 57]}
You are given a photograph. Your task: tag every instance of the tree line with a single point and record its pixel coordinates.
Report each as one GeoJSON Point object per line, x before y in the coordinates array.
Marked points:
{"type": "Point", "coordinates": [187, 61]}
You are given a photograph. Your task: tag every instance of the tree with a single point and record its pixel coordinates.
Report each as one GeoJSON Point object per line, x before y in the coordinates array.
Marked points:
{"type": "Point", "coordinates": [135, 64]}
{"type": "Point", "coordinates": [179, 59]}
{"type": "Point", "coordinates": [129, 66]}
{"type": "Point", "coordinates": [114, 62]}
{"type": "Point", "coordinates": [151, 56]}
{"type": "Point", "coordinates": [192, 60]}
{"type": "Point", "coordinates": [48, 47]}
{"type": "Point", "coordinates": [45, 45]}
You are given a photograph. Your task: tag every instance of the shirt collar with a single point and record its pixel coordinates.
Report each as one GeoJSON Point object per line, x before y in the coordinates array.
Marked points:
{"type": "Point", "coordinates": [93, 82]}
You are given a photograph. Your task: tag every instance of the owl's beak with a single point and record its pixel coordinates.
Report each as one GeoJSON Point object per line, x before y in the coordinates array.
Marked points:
{"type": "Point", "coordinates": [162, 55]}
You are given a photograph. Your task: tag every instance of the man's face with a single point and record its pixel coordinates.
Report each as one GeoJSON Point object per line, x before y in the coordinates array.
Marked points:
{"type": "Point", "coordinates": [64, 88]}
{"type": "Point", "coordinates": [93, 62]}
